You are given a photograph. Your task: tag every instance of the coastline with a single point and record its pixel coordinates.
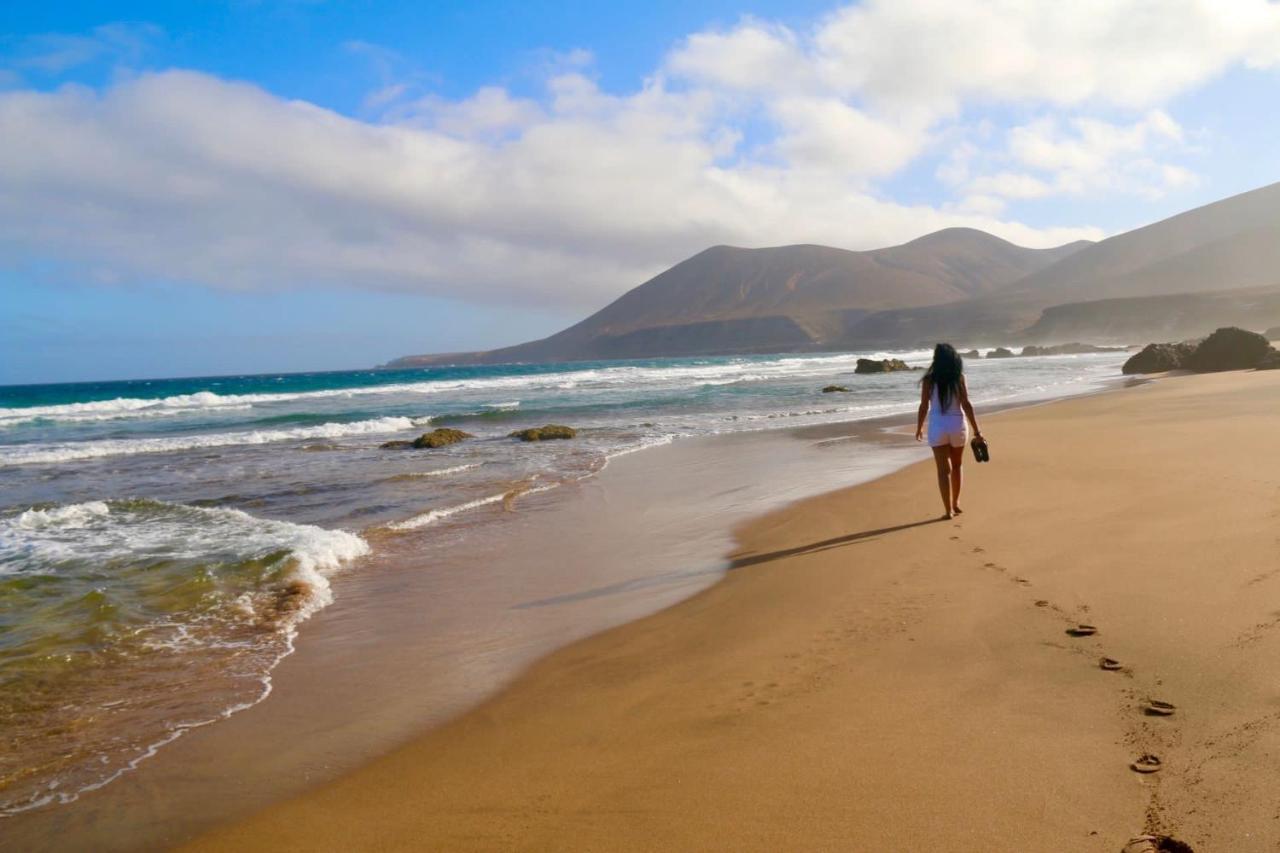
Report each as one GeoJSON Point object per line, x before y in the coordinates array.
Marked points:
{"type": "Point", "coordinates": [870, 678]}
{"type": "Point", "coordinates": [429, 627]}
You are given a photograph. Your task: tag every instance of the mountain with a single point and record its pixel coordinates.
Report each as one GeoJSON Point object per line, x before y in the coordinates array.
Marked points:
{"type": "Point", "coordinates": [1215, 265]}
{"type": "Point", "coordinates": [1228, 245]}
{"type": "Point", "coordinates": [728, 299]}
{"type": "Point", "coordinates": [1171, 317]}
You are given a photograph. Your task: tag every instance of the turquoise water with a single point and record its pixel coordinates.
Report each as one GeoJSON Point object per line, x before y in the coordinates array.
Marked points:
{"type": "Point", "coordinates": [163, 542]}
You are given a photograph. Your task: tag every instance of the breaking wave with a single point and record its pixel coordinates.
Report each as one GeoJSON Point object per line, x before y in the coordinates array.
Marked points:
{"type": "Point", "coordinates": [37, 454]}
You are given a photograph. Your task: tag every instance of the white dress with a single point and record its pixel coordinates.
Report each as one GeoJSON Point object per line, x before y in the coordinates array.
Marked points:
{"type": "Point", "coordinates": [946, 427]}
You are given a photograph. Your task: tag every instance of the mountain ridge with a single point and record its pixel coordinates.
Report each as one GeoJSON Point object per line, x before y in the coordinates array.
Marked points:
{"type": "Point", "coordinates": [958, 283]}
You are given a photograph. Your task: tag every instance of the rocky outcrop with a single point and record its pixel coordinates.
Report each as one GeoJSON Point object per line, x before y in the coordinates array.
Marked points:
{"type": "Point", "coordinates": [1229, 348]}
{"type": "Point", "coordinates": [1000, 352]}
{"type": "Point", "coordinates": [1158, 358]}
{"type": "Point", "coordinates": [832, 389]}
{"type": "Point", "coordinates": [1270, 361]}
{"type": "Point", "coordinates": [887, 365]}
{"type": "Point", "coordinates": [973, 353]}
{"type": "Point", "coordinates": [1068, 349]}
{"type": "Point", "coordinates": [545, 433]}
{"type": "Point", "coordinates": [436, 438]}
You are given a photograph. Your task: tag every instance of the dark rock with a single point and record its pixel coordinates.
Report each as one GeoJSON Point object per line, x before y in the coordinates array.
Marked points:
{"type": "Point", "coordinates": [1068, 349]}
{"type": "Point", "coordinates": [1270, 361]}
{"type": "Point", "coordinates": [973, 353]}
{"type": "Point", "coordinates": [830, 389]}
{"type": "Point", "coordinates": [544, 433]}
{"type": "Point", "coordinates": [441, 437]}
{"type": "Point", "coordinates": [1229, 349]}
{"type": "Point", "coordinates": [395, 445]}
{"type": "Point", "coordinates": [1157, 358]}
{"type": "Point", "coordinates": [888, 365]}
{"type": "Point", "coordinates": [1000, 352]}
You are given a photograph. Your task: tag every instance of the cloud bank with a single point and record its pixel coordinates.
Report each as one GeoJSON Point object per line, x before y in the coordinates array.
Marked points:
{"type": "Point", "coordinates": [757, 135]}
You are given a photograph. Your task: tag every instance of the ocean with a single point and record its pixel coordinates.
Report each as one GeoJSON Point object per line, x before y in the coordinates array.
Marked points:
{"type": "Point", "coordinates": [163, 542]}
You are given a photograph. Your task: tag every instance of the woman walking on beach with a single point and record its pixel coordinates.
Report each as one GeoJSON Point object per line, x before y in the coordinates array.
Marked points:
{"type": "Point", "coordinates": [944, 400]}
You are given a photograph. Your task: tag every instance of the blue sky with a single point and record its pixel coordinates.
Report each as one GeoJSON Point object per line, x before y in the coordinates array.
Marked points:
{"type": "Point", "coordinates": [208, 187]}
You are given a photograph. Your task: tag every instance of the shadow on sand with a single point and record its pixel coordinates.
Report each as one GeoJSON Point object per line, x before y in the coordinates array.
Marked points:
{"type": "Point", "coordinates": [738, 563]}
{"type": "Point", "coordinates": [826, 544]}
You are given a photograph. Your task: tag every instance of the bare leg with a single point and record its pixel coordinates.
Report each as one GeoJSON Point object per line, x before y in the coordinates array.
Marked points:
{"type": "Point", "coordinates": [957, 477]}
{"type": "Point", "coordinates": [942, 458]}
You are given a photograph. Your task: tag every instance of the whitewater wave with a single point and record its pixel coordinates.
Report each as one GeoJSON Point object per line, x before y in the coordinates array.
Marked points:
{"type": "Point", "coordinates": [43, 454]}
{"type": "Point", "coordinates": [100, 417]}
{"type": "Point", "coordinates": [435, 515]}
{"type": "Point", "coordinates": [439, 472]}
{"type": "Point", "coordinates": [738, 370]}
{"type": "Point", "coordinates": [102, 533]}
{"type": "Point", "coordinates": [150, 594]}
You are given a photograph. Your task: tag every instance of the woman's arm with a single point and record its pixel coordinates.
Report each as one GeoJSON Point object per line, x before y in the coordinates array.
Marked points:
{"type": "Point", "coordinates": [925, 387]}
{"type": "Point", "coordinates": [968, 408]}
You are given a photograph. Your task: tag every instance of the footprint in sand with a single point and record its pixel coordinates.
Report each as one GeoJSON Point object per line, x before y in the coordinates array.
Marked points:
{"type": "Point", "coordinates": [1082, 630]}
{"type": "Point", "coordinates": [1157, 708]}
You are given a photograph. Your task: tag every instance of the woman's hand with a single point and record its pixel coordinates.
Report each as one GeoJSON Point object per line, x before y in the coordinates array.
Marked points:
{"type": "Point", "coordinates": [919, 435]}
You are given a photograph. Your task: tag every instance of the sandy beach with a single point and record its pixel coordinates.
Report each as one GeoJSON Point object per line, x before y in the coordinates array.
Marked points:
{"type": "Point", "coordinates": [871, 678]}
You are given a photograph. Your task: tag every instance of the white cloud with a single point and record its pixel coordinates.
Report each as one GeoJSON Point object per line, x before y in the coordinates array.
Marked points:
{"type": "Point", "coordinates": [1127, 53]}
{"type": "Point", "coordinates": [758, 135]}
{"type": "Point", "coordinates": [184, 176]}
{"type": "Point", "coordinates": [829, 135]}
{"type": "Point", "coordinates": [490, 112]}
{"type": "Point", "coordinates": [53, 53]}
{"type": "Point", "coordinates": [754, 56]}
{"type": "Point", "coordinates": [1078, 156]}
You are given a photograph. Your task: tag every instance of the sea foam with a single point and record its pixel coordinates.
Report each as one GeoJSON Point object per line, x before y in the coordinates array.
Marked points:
{"type": "Point", "coordinates": [38, 454]}
{"type": "Point", "coordinates": [152, 596]}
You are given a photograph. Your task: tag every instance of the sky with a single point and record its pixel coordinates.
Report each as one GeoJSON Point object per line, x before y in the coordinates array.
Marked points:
{"type": "Point", "coordinates": [240, 186]}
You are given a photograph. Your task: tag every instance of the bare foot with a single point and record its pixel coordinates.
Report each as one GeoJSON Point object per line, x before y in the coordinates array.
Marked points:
{"type": "Point", "coordinates": [957, 510]}
{"type": "Point", "coordinates": [948, 514]}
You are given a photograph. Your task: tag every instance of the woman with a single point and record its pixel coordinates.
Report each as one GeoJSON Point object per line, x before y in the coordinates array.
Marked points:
{"type": "Point", "coordinates": [944, 399]}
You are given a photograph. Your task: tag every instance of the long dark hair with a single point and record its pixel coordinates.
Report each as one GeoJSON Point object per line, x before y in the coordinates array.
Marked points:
{"type": "Point", "coordinates": [945, 373]}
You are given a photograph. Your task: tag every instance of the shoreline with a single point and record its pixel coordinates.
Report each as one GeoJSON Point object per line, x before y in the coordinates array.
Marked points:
{"type": "Point", "coordinates": [670, 687]}
{"type": "Point", "coordinates": [318, 725]}
{"type": "Point", "coordinates": [788, 483]}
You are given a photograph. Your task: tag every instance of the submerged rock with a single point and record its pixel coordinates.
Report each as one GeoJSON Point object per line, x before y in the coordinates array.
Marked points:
{"type": "Point", "coordinates": [887, 365]}
{"type": "Point", "coordinates": [1229, 349]}
{"type": "Point", "coordinates": [831, 389]}
{"type": "Point", "coordinates": [1157, 358]}
{"type": "Point", "coordinates": [1000, 352]}
{"type": "Point", "coordinates": [543, 433]}
{"type": "Point", "coordinates": [973, 353]}
{"type": "Point", "coordinates": [441, 437]}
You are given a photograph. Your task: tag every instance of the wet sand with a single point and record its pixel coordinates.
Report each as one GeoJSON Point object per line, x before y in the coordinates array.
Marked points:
{"type": "Point", "coordinates": [870, 678]}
